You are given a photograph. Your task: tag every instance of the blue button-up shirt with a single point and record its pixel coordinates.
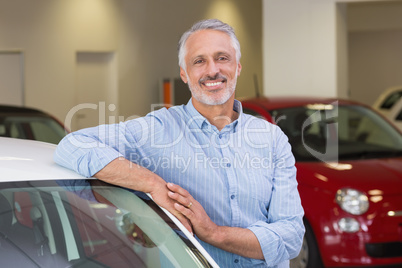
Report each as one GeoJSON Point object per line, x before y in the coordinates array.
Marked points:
{"type": "Point", "coordinates": [244, 175]}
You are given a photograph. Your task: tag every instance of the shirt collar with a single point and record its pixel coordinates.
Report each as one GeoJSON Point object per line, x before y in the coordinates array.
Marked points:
{"type": "Point", "coordinates": [203, 123]}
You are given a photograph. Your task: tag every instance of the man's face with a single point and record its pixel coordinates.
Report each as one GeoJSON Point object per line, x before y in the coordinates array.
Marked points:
{"type": "Point", "coordinates": [211, 67]}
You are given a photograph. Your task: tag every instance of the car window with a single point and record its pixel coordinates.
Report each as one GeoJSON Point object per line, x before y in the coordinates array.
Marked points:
{"type": "Point", "coordinates": [349, 131]}
{"type": "Point", "coordinates": [47, 130]}
{"type": "Point", "coordinates": [71, 224]}
{"type": "Point", "coordinates": [391, 100]}
{"type": "Point", "coordinates": [32, 127]}
{"type": "Point", "coordinates": [399, 116]}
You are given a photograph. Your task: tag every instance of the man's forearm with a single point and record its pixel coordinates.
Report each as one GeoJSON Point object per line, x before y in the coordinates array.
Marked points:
{"type": "Point", "coordinates": [125, 173]}
{"type": "Point", "coordinates": [236, 240]}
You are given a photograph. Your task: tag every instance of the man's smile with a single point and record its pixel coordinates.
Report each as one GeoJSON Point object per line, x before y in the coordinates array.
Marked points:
{"type": "Point", "coordinates": [212, 84]}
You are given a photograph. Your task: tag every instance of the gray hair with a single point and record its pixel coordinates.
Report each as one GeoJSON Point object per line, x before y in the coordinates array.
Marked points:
{"type": "Point", "coordinates": [210, 24]}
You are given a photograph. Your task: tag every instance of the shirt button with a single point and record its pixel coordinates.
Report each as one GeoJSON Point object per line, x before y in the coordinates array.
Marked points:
{"type": "Point", "coordinates": [236, 260]}
{"type": "Point", "coordinates": [228, 165]}
{"type": "Point", "coordinates": [232, 196]}
{"type": "Point", "coordinates": [220, 136]}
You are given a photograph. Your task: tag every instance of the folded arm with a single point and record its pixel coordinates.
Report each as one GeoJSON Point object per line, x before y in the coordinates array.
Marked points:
{"type": "Point", "coordinates": [126, 174]}
{"type": "Point", "coordinates": [101, 152]}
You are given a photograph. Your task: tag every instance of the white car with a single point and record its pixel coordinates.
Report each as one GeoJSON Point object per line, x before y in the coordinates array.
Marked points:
{"type": "Point", "coordinates": [389, 104]}
{"type": "Point", "coordinates": [53, 217]}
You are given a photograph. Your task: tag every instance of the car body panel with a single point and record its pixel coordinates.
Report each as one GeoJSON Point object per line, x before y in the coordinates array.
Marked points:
{"type": "Point", "coordinates": [35, 157]}
{"type": "Point", "coordinates": [366, 175]}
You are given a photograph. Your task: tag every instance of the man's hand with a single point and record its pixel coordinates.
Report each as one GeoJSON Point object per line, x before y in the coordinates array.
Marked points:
{"type": "Point", "coordinates": [203, 226]}
{"type": "Point", "coordinates": [240, 241]}
{"type": "Point", "coordinates": [159, 194]}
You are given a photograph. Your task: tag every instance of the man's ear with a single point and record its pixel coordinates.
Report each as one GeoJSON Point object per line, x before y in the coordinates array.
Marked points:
{"type": "Point", "coordinates": [183, 75]}
{"type": "Point", "coordinates": [238, 69]}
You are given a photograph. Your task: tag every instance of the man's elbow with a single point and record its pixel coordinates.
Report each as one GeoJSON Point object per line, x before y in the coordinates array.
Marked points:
{"type": "Point", "coordinates": [297, 243]}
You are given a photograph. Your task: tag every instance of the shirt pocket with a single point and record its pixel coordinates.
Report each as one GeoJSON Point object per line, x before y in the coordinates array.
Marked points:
{"type": "Point", "coordinates": [260, 185]}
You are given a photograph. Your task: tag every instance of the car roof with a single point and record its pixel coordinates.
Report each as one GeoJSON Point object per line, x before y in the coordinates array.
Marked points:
{"type": "Point", "coordinates": [273, 103]}
{"type": "Point", "coordinates": [22, 160]}
{"type": "Point", "coordinates": [9, 109]}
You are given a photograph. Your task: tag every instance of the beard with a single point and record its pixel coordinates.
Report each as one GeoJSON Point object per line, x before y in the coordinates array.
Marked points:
{"type": "Point", "coordinates": [215, 98]}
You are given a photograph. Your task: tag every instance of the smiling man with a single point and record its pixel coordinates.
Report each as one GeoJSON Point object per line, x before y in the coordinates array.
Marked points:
{"type": "Point", "coordinates": [210, 68]}
{"type": "Point", "coordinates": [237, 191]}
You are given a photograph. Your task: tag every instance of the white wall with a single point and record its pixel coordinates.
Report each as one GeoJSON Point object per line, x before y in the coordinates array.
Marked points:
{"type": "Point", "coordinates": [50, 32]}
{"type": "Point", "coordinates": [306, 45]}
{"type": "Point", "coordinates": [375, 16]}
{"type": "Point", "coordinates": [375, 48]}
{"type": "Point", "coordinates": [142, 33]}
{"type": "Point", "coordinates": [300, 47]}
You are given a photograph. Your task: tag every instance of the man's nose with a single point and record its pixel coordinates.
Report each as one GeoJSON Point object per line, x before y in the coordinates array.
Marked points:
{"type": "Point", "coordinates": [212, 68]}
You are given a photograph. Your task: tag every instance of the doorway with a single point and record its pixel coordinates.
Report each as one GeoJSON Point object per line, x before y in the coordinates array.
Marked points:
{"type": "Point", "coordinates": [96, 90]}
{"type": "Point", "coordinates": [12, 78]}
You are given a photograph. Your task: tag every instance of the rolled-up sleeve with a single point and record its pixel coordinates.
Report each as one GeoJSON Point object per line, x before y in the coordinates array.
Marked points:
{"type": "Point", "coordinates": [281, 236]}
{"type": "Point", "coordinates": [89, 150]}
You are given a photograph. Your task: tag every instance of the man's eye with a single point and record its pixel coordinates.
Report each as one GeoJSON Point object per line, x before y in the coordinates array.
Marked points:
{"type": "Point", "coordinates": [222, 58]}
{"type": "Point", "coordinates": [198, 61]}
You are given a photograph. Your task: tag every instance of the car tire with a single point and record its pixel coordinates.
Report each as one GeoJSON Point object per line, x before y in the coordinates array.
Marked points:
{"type": "Point", "coordinates": [309, 256]}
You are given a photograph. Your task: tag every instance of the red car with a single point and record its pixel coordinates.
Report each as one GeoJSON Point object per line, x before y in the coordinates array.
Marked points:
{"type": "Point", "coordinates": [349, 170]}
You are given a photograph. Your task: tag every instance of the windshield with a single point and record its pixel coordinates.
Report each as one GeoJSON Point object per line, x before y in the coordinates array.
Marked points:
{"type": "Point", "coordinates": [74, 224]}
{"type": "Point", "coordinates": [331, 132]}
{"type": "Point", "coordinates": [31, 127]}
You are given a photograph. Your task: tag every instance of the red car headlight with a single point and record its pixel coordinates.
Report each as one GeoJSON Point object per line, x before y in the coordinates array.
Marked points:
{"type": "Point", "coordinates": [352, 201]}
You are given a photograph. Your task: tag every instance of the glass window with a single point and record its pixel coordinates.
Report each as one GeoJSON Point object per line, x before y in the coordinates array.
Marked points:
{"type": "Point", "coordinates": [338, 132]}
{"type": "Point", "coordinates": [33, 128]}
{"type": "Point", "coordinates": [70, 223]}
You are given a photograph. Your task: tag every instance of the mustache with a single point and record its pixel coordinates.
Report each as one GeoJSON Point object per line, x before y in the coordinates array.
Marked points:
{"type": "Point", "coordinates": [215, 77]}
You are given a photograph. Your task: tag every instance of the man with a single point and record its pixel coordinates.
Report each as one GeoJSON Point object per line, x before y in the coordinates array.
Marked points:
{"type": "Point", "coordinates": [228, 177]}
